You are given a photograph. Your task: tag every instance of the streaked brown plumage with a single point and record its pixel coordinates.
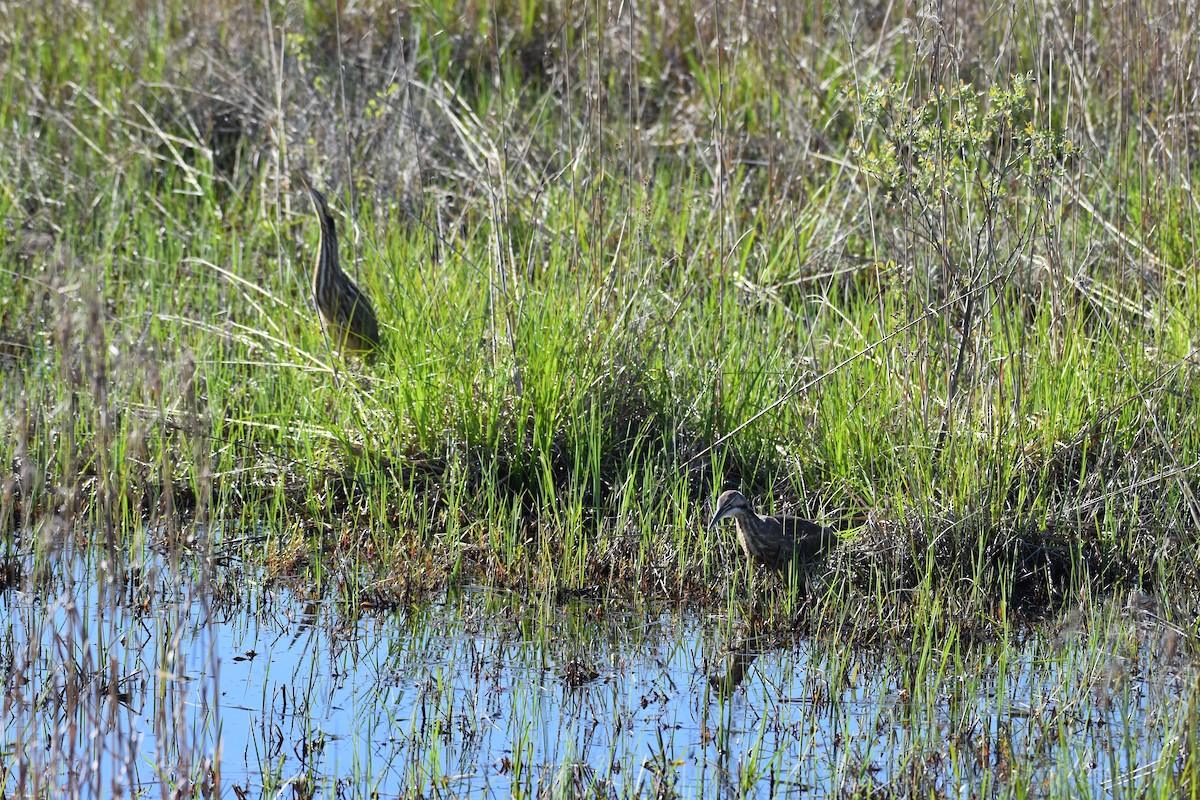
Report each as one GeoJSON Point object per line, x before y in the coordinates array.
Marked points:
{"type": "Point", "coordinates": [772, 541]}
{"type": "Point", "coordinates": [345, 310]}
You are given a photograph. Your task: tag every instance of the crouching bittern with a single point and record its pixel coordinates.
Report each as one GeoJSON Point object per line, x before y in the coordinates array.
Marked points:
{"type": "Point", "coordinates": [345, 310]}
{"type": "Point", "coordinates": [772, 541]}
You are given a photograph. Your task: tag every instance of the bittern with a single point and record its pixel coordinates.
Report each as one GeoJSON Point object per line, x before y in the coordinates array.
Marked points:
{"type": "Point", "coordinates": [345, 310]}
{"type": "Point", "coordinates": [772, 541]}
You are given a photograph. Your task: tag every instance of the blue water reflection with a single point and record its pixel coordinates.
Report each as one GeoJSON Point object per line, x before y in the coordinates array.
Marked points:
{"type": "Point", "coordinates": [496, 694]}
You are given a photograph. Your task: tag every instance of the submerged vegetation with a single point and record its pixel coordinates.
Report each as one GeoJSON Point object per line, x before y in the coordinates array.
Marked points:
{"type": "Point", "coordinates": [926, 275]}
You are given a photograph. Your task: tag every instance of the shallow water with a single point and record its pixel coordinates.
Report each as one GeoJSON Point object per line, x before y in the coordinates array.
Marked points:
{"type": "Point", "coordinates": [494, 694]}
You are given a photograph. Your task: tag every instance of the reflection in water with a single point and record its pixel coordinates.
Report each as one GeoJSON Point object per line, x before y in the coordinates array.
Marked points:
{"type": "Point", "coordinates": [736, 663]}
{"type": "Point", "coordinates": [163, 687]}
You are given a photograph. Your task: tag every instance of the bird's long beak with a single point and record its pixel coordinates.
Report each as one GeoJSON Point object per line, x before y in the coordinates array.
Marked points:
{"type": "Point", "coordinates": [722, 513]}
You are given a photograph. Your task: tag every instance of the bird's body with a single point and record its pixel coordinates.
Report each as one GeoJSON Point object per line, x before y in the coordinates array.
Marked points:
{"type": "Point", "coordinates": [772, 541]}
{"type": "Point", "coordinates": [344, 309]}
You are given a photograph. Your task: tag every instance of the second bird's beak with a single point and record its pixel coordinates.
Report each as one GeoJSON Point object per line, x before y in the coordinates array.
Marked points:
{"type": "Point", "coordinates": [721, 514]}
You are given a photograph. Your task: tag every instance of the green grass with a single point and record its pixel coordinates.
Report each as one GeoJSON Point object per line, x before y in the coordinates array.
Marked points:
{"type": "Point", "coordinates": [620, 264]}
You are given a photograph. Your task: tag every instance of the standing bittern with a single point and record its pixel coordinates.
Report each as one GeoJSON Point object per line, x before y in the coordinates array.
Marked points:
{"type": "Point", "coordinates": [772, 541]}
{"type": "Point", "coordinates": [345, 310]}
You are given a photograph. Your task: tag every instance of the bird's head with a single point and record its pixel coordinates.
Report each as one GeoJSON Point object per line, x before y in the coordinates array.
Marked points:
{"type": "Point", "coordinates": [319, 204]}
{"type": "Point", "coordinates": [729, 504]}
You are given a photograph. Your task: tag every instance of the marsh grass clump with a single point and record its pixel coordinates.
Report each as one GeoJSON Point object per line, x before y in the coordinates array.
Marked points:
{"type": "Point", "coordinates": [614, 282]}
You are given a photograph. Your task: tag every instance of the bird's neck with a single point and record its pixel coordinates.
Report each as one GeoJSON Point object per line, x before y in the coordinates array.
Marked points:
{"type": "Point", "coordinates": [752, 517]}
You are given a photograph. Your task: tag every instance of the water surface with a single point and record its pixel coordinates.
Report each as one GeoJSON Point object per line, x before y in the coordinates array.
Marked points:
{"type": "Point", "coordinates": [175, 679]}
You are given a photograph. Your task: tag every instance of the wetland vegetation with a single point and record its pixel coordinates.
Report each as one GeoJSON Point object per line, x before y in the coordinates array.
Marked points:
{"type": "Point", "coordinates": [923, 273]}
